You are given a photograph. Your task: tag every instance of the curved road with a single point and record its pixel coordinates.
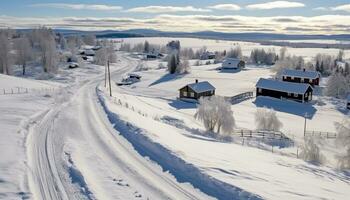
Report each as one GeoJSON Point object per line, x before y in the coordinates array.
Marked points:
{"type": "Point", "coordinates": [83, 123]}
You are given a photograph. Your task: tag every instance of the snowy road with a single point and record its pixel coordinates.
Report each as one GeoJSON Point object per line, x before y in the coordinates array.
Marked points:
{"type": "Point", "coordinates": [74, 152]}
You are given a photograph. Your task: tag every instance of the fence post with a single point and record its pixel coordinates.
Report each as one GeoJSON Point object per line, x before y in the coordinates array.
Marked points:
{"type": "Point", "coordinates": [272, 148]}
{"type": "Point", "coordinates": [243, 141]}
{"type": "Point", "coordinates": [242, 133]}
{"type": "Point", "coordinates": [11, 91]}
{"type": "Point", "coordinates": [297, 152]}
{"type": "Point", "coordinates": [18, 90]}
{"type": "Point", "coordinates": [26, 90]}
{"type": "Point", "coordinates": [4, 91]}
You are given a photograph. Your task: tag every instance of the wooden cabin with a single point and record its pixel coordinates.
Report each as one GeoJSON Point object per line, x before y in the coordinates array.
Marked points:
{"type": "Point", "coordinates": [301, 92]}
{"type": "Point", "coordinates": [233, 63]}
{"type": "Point", "coordinates": [197, 90]}
{"type": "Point", "coordinates": [301, 76]}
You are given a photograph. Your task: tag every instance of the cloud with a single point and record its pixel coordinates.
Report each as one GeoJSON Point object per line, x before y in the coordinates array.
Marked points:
{"type": "Point", "coordinates": [320, 9]}
{"type": "Point", "coordinates": [100, 7]}
{"type": "Point", "coordinates": [345, 8]}
{"type": "Point", "coordinates": [232, 7]}
{"type": "Point", "coordinates": [166, 9]}
{"type": "Point", "coordinates": [275, 4]}
{"type": "Point", "coordinates": [323, 24]}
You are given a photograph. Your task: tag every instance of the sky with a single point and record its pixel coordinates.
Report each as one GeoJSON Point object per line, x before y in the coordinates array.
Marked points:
{"type": "Point", "coordinates": [291, 17]}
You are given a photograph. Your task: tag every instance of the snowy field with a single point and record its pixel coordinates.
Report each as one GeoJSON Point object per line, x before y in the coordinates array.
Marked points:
{"type": "Point", "coordinates": [65, 138]}
{"type": "Point", "coordinates": [220, 45]}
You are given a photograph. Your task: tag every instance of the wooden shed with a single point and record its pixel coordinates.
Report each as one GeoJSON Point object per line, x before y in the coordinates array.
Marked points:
{"type": "Point", "coordinates": [301, 92]}
{"type": "Point", "coordinates": [301, 76]}
{"type": "Point", "coordinates": [197, 90]}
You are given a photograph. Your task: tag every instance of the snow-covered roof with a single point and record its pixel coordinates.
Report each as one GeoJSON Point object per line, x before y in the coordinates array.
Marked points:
{"type": "Point", "coordinates": [283, 86]}
{"type": "Point", "coordinates": [301, 73]}
{"type": "Point", "coordinates": [231, 62]}
{"type": "Point", "coordinates": [202, 86]}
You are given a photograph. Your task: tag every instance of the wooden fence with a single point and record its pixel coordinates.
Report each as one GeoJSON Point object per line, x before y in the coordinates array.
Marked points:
{"type": "Point", "coordinates": [260, 134]}
{"type": "Point", "coordinates": [240, 97]}
{"type": "Point", "coordinates": [328, 135]}
{"type": "Point", "coordinates": [21, 90]}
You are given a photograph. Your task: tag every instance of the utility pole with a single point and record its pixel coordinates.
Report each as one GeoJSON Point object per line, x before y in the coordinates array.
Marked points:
{"type": "Point", "coordinates": [109, 79]}
{"type": "Point", "coordinates": [105, 76]}
{"type": "Point", "coordinates": [305, 124]}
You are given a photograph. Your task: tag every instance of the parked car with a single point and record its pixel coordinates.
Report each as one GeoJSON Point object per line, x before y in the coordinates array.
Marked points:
{"type": "Point", "coordinates": [72, 65]}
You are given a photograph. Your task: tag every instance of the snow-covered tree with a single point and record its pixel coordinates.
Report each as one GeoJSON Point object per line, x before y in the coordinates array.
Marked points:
{"type": "Point", "coordinates": [266, 119]}
{"type": "Point", "coordinates": [289, 62]}
{"type": "Point", "coordinates": [183, 67]}
{"type": "Point", "coordinates": [343, 141]}
{"type": "Point", "coordinates": [187, 53]}
{"type": "Point", "coordinates": [260, 56]}
{"type": "Point", "coordinates": [215, 112]}
{"type": "Point", "coordinates": [5, 57]}
{"type": "Point", "coordinates": [234, 52]}
{"type": "Point", "coordinates": [49, 54]}
{"type": "Point", "coordinates": [24, 52]}
{"type": "Point", "coordinates": [105, 54]}
{"type": "Point", "coordinates": [101, 57]}
{"type": "Point", "coordinates": [283, 53]}
{"type": "Point", "coordinates": [338, 85]}
{"type": "Point", "coordinates": [311, 152]}
{"type": "Point", "coordinates": [90, 39]}
{"type": "Point", "coordinates": [172, 64]}
{"type": "Point", "coordinates": [340, 56]}
{"type": "Point", "coordinates": [146, 47]}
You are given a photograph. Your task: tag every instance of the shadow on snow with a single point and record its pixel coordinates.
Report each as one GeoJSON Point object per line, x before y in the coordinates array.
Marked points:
{"type": "Point", "coordinates": [180, 169]}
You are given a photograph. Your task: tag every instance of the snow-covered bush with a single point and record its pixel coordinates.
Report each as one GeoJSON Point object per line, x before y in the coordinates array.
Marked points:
{"type": "Point", "coordinates": [142, 67]}
{"type": "Point", "coordinates": [105, 53]}
{"type": "Point", "coordinates": [266, 119]}
{"type": "Point", "coordinates": [215, 112]}
{"type": "Point", "coordinates": [310, 151]}
{"type": "Point", "coordinates": [343, 140]}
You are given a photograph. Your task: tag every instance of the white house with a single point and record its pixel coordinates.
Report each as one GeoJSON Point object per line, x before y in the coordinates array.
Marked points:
{"type": "Point", "coordinates": [206, 55]}
{"type": "Point", "coordinates": [233, 63]}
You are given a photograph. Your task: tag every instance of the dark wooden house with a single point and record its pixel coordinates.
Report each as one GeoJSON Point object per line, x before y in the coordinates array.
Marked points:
{"type": "Point", "coordinates": [301, 76]}
{"type": "Point", "coordinates": [197, 90]}
{"type": "Point", "coordinates": [301, 92]}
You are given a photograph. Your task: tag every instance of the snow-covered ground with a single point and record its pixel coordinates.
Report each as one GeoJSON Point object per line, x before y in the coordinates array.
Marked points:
{"type": "Point", "coordinates": [220, 45]}
{"type": "Point", "coordinates": [65, 138]}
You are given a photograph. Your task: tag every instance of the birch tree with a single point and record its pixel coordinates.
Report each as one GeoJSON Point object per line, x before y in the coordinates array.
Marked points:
{"type": "Point", "coordinates": [266, 119]}
{"type": "Point", "coordinates": [5, 57]}
{"type": "Point", "coordinates": [24, 52]}
{"type": "Point", "coordinates": [215, 113]}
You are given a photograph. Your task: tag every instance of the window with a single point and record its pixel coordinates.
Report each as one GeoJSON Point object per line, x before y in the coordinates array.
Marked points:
{"type": "Point", "coordinates": [289, 94]}
{"type": "Point", "coordinates": [306, 94]}
{"type": "Point", "coordinates": [184, 94]}
{"type": "Point", "coordinates": [310, 81]}
{"type": "Point", "coordinates": [212, 92]}
{"type": "Point", "coordinates": [192, 94]}
{"type": "Point", "coordinates": [292, 78]}
{"type": "Point", "coordinates": [302, 80]}
{"type": "Point", "coordinates": [260, 90]}
{"type": "Point", "coordinates": [295, 95]}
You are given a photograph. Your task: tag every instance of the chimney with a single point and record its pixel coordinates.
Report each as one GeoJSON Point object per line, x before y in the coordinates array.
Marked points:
{"type": "Point", "coordinates": [196, 80]}
{"type": "Point", "coordinates": [304, 70]}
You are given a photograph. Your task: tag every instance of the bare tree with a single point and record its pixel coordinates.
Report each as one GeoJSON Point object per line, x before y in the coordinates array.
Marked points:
{"type": "Point", "coordinates": [235, 52]}
{"type": "Point", "coordinates": [215, 112]}
{"type": "Point", "coordinates": [24, 52]}
{"type": "Point", "coordinates": [49, 54]}
{"type": "Point", "coordinates": [266, 119]}
{"type": "Point", "coordinates": [283, 53]}
{"type": "Point", "coordinates": [5, 48]}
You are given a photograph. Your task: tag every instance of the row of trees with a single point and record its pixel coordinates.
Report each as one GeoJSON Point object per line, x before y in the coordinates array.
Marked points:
{"type": "Point", "coordinates": [45, 47]}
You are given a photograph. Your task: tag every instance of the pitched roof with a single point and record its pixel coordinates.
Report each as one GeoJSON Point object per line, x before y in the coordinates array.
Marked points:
{"type": "Point", "coordinates": [201, 86]}
{"type": "Point", "coordinates": [282, 86]}
{"type": "Point", "coordinates": [301, 73]}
